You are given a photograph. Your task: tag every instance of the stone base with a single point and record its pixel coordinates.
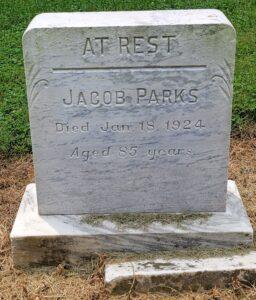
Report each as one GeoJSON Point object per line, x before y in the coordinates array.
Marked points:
{"type": "Point", "coordinates": [53, 239]}
{"type": "Point", "coordinates": [180, 274]}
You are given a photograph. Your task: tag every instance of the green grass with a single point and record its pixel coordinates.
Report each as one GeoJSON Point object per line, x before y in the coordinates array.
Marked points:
{"type": "Point", "coordinates": [15, 15]}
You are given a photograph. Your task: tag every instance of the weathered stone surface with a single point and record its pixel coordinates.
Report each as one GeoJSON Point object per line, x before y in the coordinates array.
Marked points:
{"type": "Point", "coordinates": [181, 274]}
{"type": "Point", "coordinates": [38, 239]}
{"type": "Point", "coordinates": [130, 111]}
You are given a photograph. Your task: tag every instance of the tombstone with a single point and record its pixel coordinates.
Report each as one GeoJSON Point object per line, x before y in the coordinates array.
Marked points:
{"type": "Point", "coordinates": [130, 119]}
{"type": "Point", "coordinates": [130, 114]}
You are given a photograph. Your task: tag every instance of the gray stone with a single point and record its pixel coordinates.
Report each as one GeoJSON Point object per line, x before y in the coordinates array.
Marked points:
{"type": "Point", "coordinates": [130, 111]}
{"type": "Point", "coordinates": [40, 239]}
{"type": "Point", "coordinates": [181, 274]}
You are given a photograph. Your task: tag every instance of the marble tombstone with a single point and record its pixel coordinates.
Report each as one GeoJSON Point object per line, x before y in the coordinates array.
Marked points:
{"type": "Point", "coordinates": [130, 111]}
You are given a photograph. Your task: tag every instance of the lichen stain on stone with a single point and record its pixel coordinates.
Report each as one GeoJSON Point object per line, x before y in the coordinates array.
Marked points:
{"type": "Point", "coordinates": [159, 265]}
{"type": "Point", "coordinates": [142, 220]}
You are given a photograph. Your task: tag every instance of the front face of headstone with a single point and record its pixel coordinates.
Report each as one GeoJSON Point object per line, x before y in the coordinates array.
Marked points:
{"type": "Point", "coordinates": [130, 112]}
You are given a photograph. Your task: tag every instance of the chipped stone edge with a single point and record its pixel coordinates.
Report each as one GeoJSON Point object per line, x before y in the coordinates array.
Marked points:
{"type": "Point", "coordinates": [180, 274]}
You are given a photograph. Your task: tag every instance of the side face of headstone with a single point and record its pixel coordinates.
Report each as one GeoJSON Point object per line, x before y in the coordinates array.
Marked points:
{"type": "Point", "coordinates": [130, 111]}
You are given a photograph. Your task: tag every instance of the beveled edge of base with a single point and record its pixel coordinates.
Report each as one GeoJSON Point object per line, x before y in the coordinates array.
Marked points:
{"type": "Point", "coordinates": [29, 223]}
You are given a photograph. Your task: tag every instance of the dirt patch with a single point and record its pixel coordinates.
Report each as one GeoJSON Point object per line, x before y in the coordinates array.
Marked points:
{"type": "Point", "coordinates": [63, 282]}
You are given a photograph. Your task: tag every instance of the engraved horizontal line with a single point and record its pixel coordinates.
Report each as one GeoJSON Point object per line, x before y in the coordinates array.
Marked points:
{"type": "Point", "coordinates": [79, 70]}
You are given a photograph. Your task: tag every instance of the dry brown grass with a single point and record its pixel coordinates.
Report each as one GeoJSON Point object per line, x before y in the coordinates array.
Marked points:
{"type": "Point", "coordinates": [242, 169]}
{"type": "Point", "coordinates": [60, 283]}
